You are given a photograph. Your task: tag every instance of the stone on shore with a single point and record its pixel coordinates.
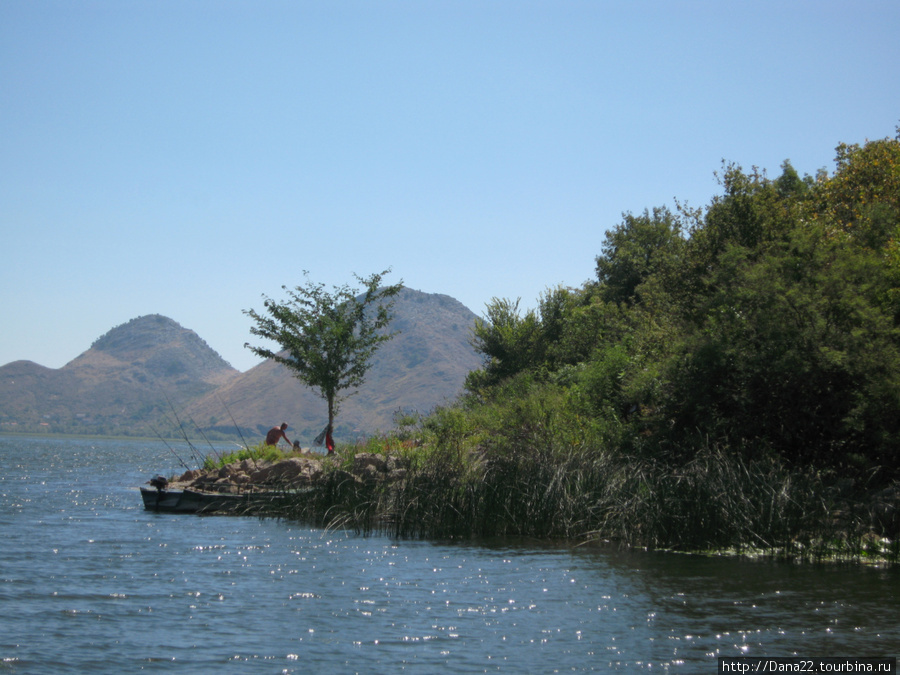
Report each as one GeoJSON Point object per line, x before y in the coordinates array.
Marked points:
{"type": "Point", "coordinates": [292, 472]}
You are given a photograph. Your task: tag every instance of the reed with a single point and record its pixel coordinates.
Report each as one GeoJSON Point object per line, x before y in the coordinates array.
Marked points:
{"type": "Point", "coordinates": [533, 472]}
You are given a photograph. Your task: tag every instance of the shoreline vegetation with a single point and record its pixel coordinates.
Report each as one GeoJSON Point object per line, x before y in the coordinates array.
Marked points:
{"type": "Point", "coordinates": [728, 381]}
{"type": "Point", "coordinates": [419, 489]}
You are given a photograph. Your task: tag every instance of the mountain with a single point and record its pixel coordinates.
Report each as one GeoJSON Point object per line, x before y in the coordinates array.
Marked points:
{"type": "Point", "coordinates": [123, 384]}
{"type": "Point", "coordinates": [423, 366]}
{"type": "Point", "coordinates": [153, 375]}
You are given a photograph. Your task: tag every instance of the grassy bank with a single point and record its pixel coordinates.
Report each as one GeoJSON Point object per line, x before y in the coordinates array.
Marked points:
{"type": "Point", "coordinates": [528, 464]}
{"type": "Point", "coordinates": [461, 479]}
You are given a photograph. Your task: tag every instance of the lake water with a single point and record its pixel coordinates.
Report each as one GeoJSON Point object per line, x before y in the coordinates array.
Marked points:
{"type": "Point", "coordinates": [90, 582]}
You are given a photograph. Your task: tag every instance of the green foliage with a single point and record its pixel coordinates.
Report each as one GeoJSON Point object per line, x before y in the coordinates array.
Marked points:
{"type": "Point", "coordinates": [798, 353]}
{"type": "Point", "coordinates": [564, 331]}
{"type": "Point", "coordinates": [589, 323]}
{"type": "Point", "coordinates": [863, 197]}
{"type": "Point", "coordinates": [772, 329]}
{"type": "Point", "coordinates": [526, 466]}
{"type": "Point", "coordinates": [257, 453]}
{"type": "Point", "coordinates": [600, 391]}
{"type": "Point", "coordinates": [736, 388]}
{"type": "Point", "coordinates": [636, 249]}
{"type": "Point", "coordinates": [507, 340]}
{"type": "Point", "coordinates": [328, 339]}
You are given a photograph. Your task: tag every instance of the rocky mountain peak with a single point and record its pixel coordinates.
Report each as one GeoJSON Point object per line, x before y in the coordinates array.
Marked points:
{"type": "Point", "coordinates": [162, 347]}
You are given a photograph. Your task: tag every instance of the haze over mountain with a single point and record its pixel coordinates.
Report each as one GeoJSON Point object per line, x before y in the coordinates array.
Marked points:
{"type": "Point", "coordinates": [152, 375]}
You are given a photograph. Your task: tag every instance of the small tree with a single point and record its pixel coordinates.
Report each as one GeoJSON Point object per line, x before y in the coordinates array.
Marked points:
{"type": "Point", "coordinates": [327, 339]}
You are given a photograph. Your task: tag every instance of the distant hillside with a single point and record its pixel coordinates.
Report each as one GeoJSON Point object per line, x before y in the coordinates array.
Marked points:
{"type": "Point", "coordinates": [163, 350]}
{"type": "Point", "coordinates": [423, 366]}
{"type": "Point", "coordinates": [136, 377]}
{"type": "Point", "coordinates": [123, 384]}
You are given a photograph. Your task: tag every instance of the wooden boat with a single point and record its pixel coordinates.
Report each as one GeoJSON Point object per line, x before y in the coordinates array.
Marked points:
{"type": "Point", "coordinates": [195, 501]}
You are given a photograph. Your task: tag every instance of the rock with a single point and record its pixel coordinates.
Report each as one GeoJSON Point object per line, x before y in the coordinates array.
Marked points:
{"type": "Point", "coordinates": [226, 486]}
{"type": "Point", "coordinates": [340, 478]}
{"type": "Point", "coordinates": [370, 473]}
{"type": "Point", "coordinates": [303, 469]}
{"type": "Point", "coordinates": [262, 472]}
{"type": "Point", "coordinates": [395, 462]}
{"type": "Point", "coordinates": [260, 475]}
{"type": "Point", "coordinates": [312, 471]}
{"type": "Point", "coordinates": [190, 476]}
{"type": "Point", "coordinates": [288, 471]}
{"type": "Point", "coordinates": [364, 460]}
{"type": "Point", "coordinates": [206, 479]}
{"type": "Point", "coordinates": [397, 475]}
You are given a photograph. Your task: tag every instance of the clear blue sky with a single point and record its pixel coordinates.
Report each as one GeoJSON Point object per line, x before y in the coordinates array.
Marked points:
{"type": "Point", "coordinates": [184, 158]}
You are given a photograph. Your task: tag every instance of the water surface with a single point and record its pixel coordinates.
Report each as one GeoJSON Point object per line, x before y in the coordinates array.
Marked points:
{"type": "Point", "coordinates": [91, 582]}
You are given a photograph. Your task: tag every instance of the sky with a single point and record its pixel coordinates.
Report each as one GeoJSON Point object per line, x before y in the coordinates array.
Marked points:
{"type": "Point", "coordinates": [189, 158]}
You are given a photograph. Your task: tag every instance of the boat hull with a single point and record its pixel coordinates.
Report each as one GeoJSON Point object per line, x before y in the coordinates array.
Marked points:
{"type": "Point", "coordinates": [192, 501]}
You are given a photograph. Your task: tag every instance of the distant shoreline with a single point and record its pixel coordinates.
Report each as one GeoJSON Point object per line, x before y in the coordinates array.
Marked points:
{"type": "Point", "coordinates": [102, 437]}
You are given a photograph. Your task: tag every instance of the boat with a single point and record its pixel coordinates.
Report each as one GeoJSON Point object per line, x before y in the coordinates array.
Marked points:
{"type": "Point", "coordinates": [188, 500]}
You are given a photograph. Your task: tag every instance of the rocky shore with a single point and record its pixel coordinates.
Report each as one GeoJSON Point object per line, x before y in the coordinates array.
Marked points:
{"type": "Point", "coordinates": [298, 471]}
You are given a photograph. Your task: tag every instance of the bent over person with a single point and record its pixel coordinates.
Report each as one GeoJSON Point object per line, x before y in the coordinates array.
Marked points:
{"type": "Point", "coordinates": [276, 434]}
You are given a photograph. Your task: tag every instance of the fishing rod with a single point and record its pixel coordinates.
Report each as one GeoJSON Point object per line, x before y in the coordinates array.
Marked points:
{"type": "Point", "coordinates": [240, 433]}
{"type": "Point", "coordinates": [195, 454]}
{"type": "Point", "coordinates": [171, 449]}
{"type": "Point", "coordinates": [205, 438]}
{"type": "Point", "coordinates": [215, 452]}
{"type": "Point", "coordinates": [236, 427]}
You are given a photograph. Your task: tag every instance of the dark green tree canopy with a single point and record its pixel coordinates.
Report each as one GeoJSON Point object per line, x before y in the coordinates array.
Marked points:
{"type": "Point", "coordinates": [633, 250]}
{"type": "Point", "coordinates": [327, 338]}
{"type": "Point", "coordinates": [768, 323]}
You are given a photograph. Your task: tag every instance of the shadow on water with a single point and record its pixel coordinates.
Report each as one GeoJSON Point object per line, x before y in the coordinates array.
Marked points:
{"type": "Point", "coordinates": [694, 606]}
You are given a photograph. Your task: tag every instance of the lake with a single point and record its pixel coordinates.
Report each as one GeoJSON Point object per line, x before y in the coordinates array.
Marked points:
{"type": "Point", "coordinates": [90, 582]}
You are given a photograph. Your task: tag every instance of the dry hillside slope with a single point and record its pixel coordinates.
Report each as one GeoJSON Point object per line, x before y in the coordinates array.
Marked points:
{"type": "Point", "coordinates": [423, 366]}
{"type": "Point", "coordinates": [135, 379]}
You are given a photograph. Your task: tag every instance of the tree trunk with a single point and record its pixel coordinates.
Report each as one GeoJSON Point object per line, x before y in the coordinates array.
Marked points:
{"type": "Point", "coordinates": [331, 412]}
{"type": "Point", "coordinates": [329, 438]}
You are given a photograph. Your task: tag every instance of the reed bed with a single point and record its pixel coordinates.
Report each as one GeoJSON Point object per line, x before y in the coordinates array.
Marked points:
{"type": "Point", "coordinates": [717, 501]}
{"type": "Point", "coordinates": [533, 469]}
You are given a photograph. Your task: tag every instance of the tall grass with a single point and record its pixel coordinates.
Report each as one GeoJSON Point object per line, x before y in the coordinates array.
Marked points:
{"type": "Point", "coordinates": [590, 494]}
{"type": "Point", "coordinates": [532, 469]}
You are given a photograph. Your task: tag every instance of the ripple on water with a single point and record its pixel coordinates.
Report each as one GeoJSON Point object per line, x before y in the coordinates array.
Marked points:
{"type": "Point", "coordinates": [90, 582]}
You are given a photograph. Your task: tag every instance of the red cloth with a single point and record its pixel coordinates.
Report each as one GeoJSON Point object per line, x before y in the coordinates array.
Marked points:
{"type": "Point", "coordinates": [329, 442]}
